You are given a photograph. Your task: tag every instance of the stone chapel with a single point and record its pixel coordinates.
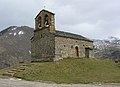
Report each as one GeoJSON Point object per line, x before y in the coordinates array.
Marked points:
{"type": "Point", "coordinates": [49, 44]}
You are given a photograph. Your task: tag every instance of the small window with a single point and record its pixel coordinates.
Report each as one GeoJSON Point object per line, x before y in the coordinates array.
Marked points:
{"type": "Point", "coordinates": [46, 20]}
{"type": "Point", "coordinates": [64, 45]}
{"type": "Point", "coordinates": [39, 22]}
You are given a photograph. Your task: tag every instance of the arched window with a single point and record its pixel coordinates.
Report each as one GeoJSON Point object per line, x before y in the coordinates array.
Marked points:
{"type": "Point", "coordinates": [46, 21]}
{"type": "Point", "coordinates": [39, 22]}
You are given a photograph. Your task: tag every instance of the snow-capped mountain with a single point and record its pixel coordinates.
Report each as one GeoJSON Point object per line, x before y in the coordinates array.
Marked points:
{"type": "Point", "coordinates": [15, 45]}
{"type": "Point", "coordinates": [109, 48]}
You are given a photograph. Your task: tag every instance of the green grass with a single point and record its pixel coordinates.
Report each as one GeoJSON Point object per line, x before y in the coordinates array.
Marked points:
{"type": "Point", "coordinates": [73, 71]}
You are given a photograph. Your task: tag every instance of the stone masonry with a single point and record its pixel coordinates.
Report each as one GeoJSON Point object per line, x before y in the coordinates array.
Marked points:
{"type": "Point", "coordinates": [50, 44]}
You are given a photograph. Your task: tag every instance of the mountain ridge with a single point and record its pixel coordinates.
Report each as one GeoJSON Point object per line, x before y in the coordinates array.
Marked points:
{"type": "Point", "coordinates": [15, 45]}
{"type": "Point", "coordinates": [108, 48]}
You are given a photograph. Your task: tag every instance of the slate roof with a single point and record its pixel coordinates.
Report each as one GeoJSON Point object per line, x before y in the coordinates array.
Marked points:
{"type": "Point", "coordinates": [71, 35]}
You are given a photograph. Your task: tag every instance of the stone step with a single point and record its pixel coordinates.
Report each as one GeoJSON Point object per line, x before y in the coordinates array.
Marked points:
{"type": "Point", "coordinates": [8, 74]}
{"type": "Point", "coordinates": [21, 68]}
{"type": "Point", "coordinates": [14, 70]}
{"type": "Point", "coordinates": [10, 71]}
{"type": "Point", "coordinates": [24, 64]}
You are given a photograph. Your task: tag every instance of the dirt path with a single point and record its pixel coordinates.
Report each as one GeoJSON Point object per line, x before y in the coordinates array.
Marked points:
{"type": "Point", "coordinates": [11, 82]}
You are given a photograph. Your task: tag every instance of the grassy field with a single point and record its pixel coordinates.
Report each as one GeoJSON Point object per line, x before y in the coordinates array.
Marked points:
{"type": "Point", "coordinates": [73, 71]}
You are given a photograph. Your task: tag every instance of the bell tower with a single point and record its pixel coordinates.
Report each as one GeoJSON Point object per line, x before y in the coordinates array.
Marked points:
{"type": "Point", "coordinates": [45, 19]}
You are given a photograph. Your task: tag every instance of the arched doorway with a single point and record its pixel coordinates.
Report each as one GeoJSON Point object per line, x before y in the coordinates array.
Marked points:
{"type": "Point", "coordinates": [76, 52]}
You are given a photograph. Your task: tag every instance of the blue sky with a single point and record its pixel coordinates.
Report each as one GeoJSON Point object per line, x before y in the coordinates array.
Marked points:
{"type": "Point", "coordinates": [95, 19]}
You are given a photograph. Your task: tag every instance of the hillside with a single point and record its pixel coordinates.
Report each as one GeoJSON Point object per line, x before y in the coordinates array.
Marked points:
{"type": "Point", "coordinates": [15, 45]}
{"type": "Point", "coordinates": [73, 71]}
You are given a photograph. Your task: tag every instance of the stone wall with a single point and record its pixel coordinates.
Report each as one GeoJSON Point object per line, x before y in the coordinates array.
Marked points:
{"type": "Point", "coordinates": [47, 45]}
{"type": "Point", "coordinates": [65, 47]}
{"type": "Point", "coordinates": [43, 45]}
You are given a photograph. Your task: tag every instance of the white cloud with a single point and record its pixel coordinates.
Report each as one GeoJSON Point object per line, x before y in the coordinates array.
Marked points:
{"type": "Point", "coordinates": [91, 18]}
